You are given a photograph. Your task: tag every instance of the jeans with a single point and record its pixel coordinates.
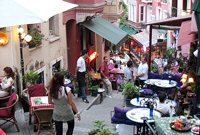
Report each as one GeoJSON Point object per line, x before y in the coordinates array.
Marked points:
{"type": "Point", "coordinates": [82, 89]}
{"type": "Point", "coordinates": [107, 86]}
{"type": "Point", "coordinates": [59, 127]}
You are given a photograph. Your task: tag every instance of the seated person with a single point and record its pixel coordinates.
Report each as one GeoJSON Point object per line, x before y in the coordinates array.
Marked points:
{"type": "Point", "coordinates": [174, 69]}
{"type": "Point", "coordinates": [128, 76]}
{"type": "Point", "coordinates": [6, 81]}
{"type": "Point", "coordinates": [162, 107]}
{"type": "Point", "coordinates": [116, 69]}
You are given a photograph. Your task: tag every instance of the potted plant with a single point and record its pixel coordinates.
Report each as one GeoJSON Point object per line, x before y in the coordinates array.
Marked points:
{"type": "Point", "coordinates": [88, 81]}
{"type": "Point", "coordinates": [31, 78]}
{"type": "Point", "coordinates": [130, 91]}
{"type": "Point", "coordinates": [100, 129]}
{"type": "Point", "coordinates": [94, 90]}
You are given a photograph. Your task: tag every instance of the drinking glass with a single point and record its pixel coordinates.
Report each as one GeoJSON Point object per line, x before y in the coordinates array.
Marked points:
{"type": "Point", "coordinates": [186, 112]}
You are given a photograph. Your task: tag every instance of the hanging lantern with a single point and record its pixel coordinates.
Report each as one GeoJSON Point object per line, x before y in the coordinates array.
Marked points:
{"type": "Point", "coordinates": [3, 38]}
{"type": "Point", "coordinates": [183, 80]}
{"type": "Point", "coordinates": [132, 43]}
{"type": "Point", "coordinates": [184, 76]}
{"type": "Point", "coordinates": [190, 80]}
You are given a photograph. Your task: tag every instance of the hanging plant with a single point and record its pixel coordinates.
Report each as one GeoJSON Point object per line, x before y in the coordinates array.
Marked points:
{"type": "Point", "coordinates": [37, 37]}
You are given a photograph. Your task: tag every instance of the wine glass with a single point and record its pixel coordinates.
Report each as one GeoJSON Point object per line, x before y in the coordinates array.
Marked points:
{"type": "Point", "coordinates": [187, 112]}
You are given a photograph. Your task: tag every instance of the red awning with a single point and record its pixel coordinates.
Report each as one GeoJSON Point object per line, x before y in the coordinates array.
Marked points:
{"type": "Point", "coordinates": [185, 35]}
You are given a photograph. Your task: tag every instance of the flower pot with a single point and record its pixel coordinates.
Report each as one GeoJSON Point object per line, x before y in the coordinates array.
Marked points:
{"type": "Point", "coordinates": [94, 93]}
{"type": "Point", "coordinates": [87, 91]}
{"type": "Point", "coordinates": [128, 103]}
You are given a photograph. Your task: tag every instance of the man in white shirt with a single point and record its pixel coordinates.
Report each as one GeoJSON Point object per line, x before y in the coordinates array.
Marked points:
{"type": "Point", "coordinates": [142, 73]}
{"type": "Point", "coordinates": [81, 70]}
{"type": "Point", "coordinates": [162, 107]}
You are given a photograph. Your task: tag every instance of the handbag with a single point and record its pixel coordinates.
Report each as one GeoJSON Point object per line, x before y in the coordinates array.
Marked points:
{"type": "Point", "coordinates": [67, 96]}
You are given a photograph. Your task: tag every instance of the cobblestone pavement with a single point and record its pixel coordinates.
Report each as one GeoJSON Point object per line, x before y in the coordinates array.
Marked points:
{"type": "Point", "coordinates": [95, 112]}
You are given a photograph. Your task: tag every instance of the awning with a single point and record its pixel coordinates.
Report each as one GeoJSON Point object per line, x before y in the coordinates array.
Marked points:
{"type": "Point", "coordinates": [185, 35]}
{"type": "Point", "coordinates": [106, 30]}
{"type": "Point", "coordinates": [130, 31]}
{"type": "Point", "coordinates": [143, 37]}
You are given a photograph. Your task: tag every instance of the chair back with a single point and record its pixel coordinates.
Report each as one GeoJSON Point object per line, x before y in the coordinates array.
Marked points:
{"type": "Point", "coordinates": [9, 110]}
{"type": "Point", "coordinates": [36, 90]}
{"type": "Point", "coordinates": [44, 115]}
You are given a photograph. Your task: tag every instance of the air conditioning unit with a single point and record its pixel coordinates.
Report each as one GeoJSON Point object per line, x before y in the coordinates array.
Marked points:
{"type": "Point", "coordinates": [147, 1]}
{"type": "Point", "coordinates": [153, 17]}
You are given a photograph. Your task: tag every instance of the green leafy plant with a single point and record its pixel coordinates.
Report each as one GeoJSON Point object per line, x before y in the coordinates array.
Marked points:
{"type": "Point", "coordinates": [130, 90]}
{"type": "Point", "coordinates": [94, 88]}
{"type": "Point", "coordinates": [88, 79]}
{"type": "Point", "coordinates": [31, 78]}
{"type": "Point", "coordinates": [100, 129]}
{"type": "Point", "coordinates": [37, 37]}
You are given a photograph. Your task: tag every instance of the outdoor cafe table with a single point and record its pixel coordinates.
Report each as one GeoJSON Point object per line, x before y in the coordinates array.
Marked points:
{"type": "Point", "coordinates": [162, 127]}
{"type": "Point", "coordinates": [137, 104]}
{"type": "Point", "coordinates": [44, 103]}
{"type": "Point", "coordinates": [136, 114]}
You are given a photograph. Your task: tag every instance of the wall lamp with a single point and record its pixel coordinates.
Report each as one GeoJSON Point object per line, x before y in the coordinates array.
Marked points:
{"type": "Point", "coordinates": [3, 38]}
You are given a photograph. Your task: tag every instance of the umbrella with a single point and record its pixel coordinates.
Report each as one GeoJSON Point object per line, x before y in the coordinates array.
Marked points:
{"type": "Point", "coordinates": [19, 12]}
{"type": "Point", "coordinates": [196, 8]}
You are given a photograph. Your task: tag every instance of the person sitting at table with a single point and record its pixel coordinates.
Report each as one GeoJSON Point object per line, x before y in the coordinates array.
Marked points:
{"type": "Point", "coordinates": [116, 69]}
{"type": "Point", "coordinates": [61, 97]}
{"type": "Point", "coordinates": [162, 106]}
{"type": "Point", "coordinates": [6, 81]}
{"type": "Point", "coordinates": [174, 69]}
{"type": "Point", "coordinates": [128, 76]}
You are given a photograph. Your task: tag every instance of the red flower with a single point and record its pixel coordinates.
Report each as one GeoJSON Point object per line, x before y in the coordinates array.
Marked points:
{"type": "Point", "coordinates": [38, 26]}
{"type": "Point", "coordinates": [40, 31]}
{"type": "Point", "coordinates": [39, 44]}
{"type": "Point", "coordinates": [29, 25]}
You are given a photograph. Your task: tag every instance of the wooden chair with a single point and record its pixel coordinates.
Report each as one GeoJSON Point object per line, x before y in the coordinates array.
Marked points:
{"type": "Point", "coordinates": [33, 91]}
{"type": "Point", "coordinates": [44, 117]}
{"type": "Point", "coordinates": [8, 113]}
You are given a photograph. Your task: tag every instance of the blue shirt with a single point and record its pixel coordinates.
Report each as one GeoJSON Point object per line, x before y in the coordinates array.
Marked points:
{"type": "Point", "coordinates": [127, 73]}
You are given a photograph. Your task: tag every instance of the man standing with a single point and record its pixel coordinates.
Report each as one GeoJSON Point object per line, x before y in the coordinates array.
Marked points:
{"type": "Point", "coordinates": [127, 72]}
{"type": "Point", "coordinates": [142, 73]}
{"type": "Point", "coordinates": [81, 70]}
{"type": "Point", "coordinates": [105, 76]}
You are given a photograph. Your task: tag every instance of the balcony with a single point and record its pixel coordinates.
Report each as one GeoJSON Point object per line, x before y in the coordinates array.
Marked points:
{"type": "Point", "coordinates": [147, 1]}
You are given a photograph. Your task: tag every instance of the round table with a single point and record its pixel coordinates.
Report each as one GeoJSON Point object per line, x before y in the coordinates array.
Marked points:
{"type": "Point", "coordinates": [136, 114]}
{"type": "Point", "coordinates": [135, 103]}
{"type": "Point", "coordinates": [165, 83]}
{"type": "Point", "coordinates": [67, 81]}
{"type": "Point", "coordinates": [151, 81]}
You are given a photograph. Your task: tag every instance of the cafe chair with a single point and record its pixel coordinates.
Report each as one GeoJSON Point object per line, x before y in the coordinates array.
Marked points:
{"type": "Point", "coordinates": [34, 91]}
{"type": "Point", "coordinates": [148, 128]}
{"type": "Point", "coordinates": [44, 118]}
{"type": "Point", "coordinates": [8, 113]}
{"type": "Point", "coordinates": [118, 116]}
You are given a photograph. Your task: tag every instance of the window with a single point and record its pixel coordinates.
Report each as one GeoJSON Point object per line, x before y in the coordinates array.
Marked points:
{"type": "Point", "coordinates": [142, 13]}
{"type": "Point", "coordinates": [41, 78]}
{"type": "Point", "coordinates": [91, 39]}
{"type": "Point", "coordinates": [159, 13]}
{"type": "Point", "coordinates": [56, 67]}
{"type": "Point", "coordinates": [35, 31]}
{"type": "Point", "coordinates": [165, 14]}
{"type": "Point", "coordinates": [107, 45]}
{"type": "Point", "coordinates": [53, 28]}
{"type": "Point", "coordinates": [164, 1]}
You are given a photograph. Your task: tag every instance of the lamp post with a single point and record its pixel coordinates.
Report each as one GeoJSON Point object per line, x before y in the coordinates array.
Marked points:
{"type": "Point", "coordinates": [27, 38]}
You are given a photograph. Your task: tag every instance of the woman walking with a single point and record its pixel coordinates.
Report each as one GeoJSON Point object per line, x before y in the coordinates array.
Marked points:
{"type": "Point", "coordinates": [61, 97]}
